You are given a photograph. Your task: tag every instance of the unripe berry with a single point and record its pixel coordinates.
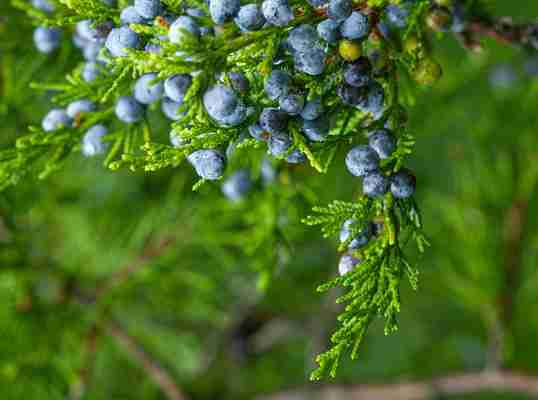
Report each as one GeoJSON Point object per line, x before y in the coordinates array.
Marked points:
{"type": "Point", "coordinates": [349, 50]}
{"type": "Point", "coordinates": [439, 19]}
{"type": "Point", "coordinates": [427, 72]}
{"type": "Point", "coordinates": [411, 44]}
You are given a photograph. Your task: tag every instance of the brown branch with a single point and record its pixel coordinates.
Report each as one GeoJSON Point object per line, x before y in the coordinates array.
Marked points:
{"type": "Point", "coordinates": [160, 376]}
{"type": "Point", "coordinates": [508, 382]}
{"type": "Point", "coordinates": [84, 373]}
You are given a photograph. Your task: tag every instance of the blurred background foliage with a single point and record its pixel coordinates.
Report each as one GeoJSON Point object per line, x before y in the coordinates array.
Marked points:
{"type": "Point", "coordinates": [223, 295]}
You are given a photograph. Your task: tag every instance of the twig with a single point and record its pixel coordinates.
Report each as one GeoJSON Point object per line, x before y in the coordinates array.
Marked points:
{"type": "Point", "coordinates": [157, 373]}
{"type": "Point", "coordinates": [445, 386]}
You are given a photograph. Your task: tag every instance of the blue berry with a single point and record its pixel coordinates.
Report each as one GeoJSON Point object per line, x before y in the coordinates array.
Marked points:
{"type": "Point", "coordinates": [183, 24]}
{"type": "Point", "coordinates": [375, 184]}
{"type": "Point", "coordinates": [170, 109]}
{"type": "Point", "coordinates": [91, 51]}
{"type": "Point", "coordinates": [55, 119]}
{"type": "Point", "coordinates": [277, 12]}
{"type": "Point", "coordinates": [147, 89]}
{"type": "Point", "coordinates": [347, 264]}
{"type": "Point", "coordinates": [176, 86]}
{"type": "Point", "coordinates": [209, 164]}
{"type": "Point", "coordinates": [47, 40]}
{"type": "Point", "coordinates": [267, 172]}
{"type": "Point", "coordinates": [44, 5]}
{"type": "Point", "coordinates": [222, 105]}
{"type": "Point", "coordinates": [313, 109]}
{"type": "Point", "coordinates": [302, 38]}
{"type": "Point", "coordinates": [223, 10]}
{"type": "Point", "coordinates": [293, 104]}
{"type": "Point", "coordinates": [274, 121]}
{"type": "Point", "coordinates": [383, 143]}
{"type": "Point", "coordinates": [258, 133]}
{"type": "Point", "coordinates": [88, 30]}
{"type": "Point", "coordinates": [296, 157]}
{"type": "Point", "coordinates": [80, 106]}
{"type": "Point", "coordinates": [316, 130]}
{"type": "Point", "coordinates": [356, 26]}
{"type": "Point", "coordinates": [329, 30]}
{"type": "Point", "coordinates": [339, 10]}
{"type": "Point", "coordinates": [362, 160]}
{"type": "Point", "coordinates": [351, 95]}
{"type": "Point", "coordinates": [239, 81]}
{"type": "Point", "coordinates": [148, 8]}
{"type": "Point", "coordinates": [121, 39]}
{"type": "Point", "coordinates": [195, 12]}
{"type": "Point", "coordinates": [403, 184]}
{"type": "Point", "coordinates": [358, 73]}
{"type": "Point", "coordinates": [129, 15]}
{"type": "Point", "coordinates": [375, 100]}
{"type": "Point", "coordinates": [237, 185]}
{"type": "Point", "coordinates": [396, 15]}
{"type": "Point", "coordinates": [279, 144]}
{"type": "Point", "coordinates": [358, 241]}
{"type": "Point", "coordinates": [129, 110]}
{"type": "Point", "coordinates": [277, 84]}
{"type": "Point", "coordinates": [317, 3]}
{"type": "Point", "coordinates": [92, 143]}
{"type": "Point", "coordinates": [249, 18]}
{"type": "Point", "coordinates": [176, 140]}
{"type": "Point", "coordinates": [311, 62]}
{"type": "Point", "coordinates": [91, 71]}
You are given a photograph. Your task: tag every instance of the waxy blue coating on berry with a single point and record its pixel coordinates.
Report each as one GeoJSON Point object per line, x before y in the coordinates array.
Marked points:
{"type": "Point", "coordinates": [239, 81]}
{"type": "Point", "coordinates": [209, 164]}
{"type": "Point", "coordinates": [296, 157]}
{"type": "Point", "coordinates": [129, 15]}
{"type": "Point", "coordinates": [121, 39]}
{"type": "Point", "coordinates": [178, 29]}
{"type": "Point", "coordinates": [313, 109]}
{"type": "Point", "coordinates": [274, 121]}
{"type": "Point", "coordinates": [277, 12]}
{"type": "Point", "coordinates": [92, 32]}
{"type": "Point", "coordinates": [170, 109]}
{"type": "Point", "coordinates": [56, 119]}
{"type": "Point", "coordinates": [347, 264]}
{"type": "Point", "coordinates": [375, 100]}
{"type": "Point", "coordinates": [92, 141]}
{"type": "Point", "coordinates": [362, 160]}
{"type": "Point", "coordinates": [80, 106]}
{"type": "Point", "coordinates": [148, 8]}
{"type": "Point", "coordinates": [257, 132]}
{"type": "Point", "coordinates": [375, 184]}
{"type": "Point", "coordinates": [383, 143]}
{"type": "Point", "coordinates": [223, 10]}
{"type": "Point", "coordinates": [237, 186]}
{"type": "Point", "coordinates": [317, 130]}
{"type": "Point", "coordinates": [47, 40]}
{"type": "Point", "coordinates": [329, 30]}
{"type": "Point", "coordinates": [223, 105]}
{"type": "Point", "coordinates": [351, 95]}
{"type": "Point", "coordinates": [292, 104]}
{"type": "Point", "coordinates": [148, 90]}
{"type": "Point", "coordinates": [356, 26]}
{"type": "Point", "coordinates": [91, 51]}
{"type": "Point", "coordinates": [91, 71]}
{"type": "Point", "coordinates": [279, 143]}
{"type": "Point", "coordinates": [396, 15]}
{"type": "Point", "coordinates": [176, 86]}
{"type": "Point", "coordinates": [44, 5]}
{"type": "Point", "coordinates": [302, 38]}
{"type": "Point", "coordinates": [277, 84]}
{"type": "Point", "coordinates": [358, 73]}
{"type": "Point", "coordinates": [311, 62]}
{"type": "Point", "coordinates": [360, 240]}
{"type": "Point", "coordinates": [129, 110]}
{"type": "Point", "coordinates": [250, 18]}
{"type": "Point", "coordinates": [403, 184]}
{"type": "Point", "coordinates": [339, 10]}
